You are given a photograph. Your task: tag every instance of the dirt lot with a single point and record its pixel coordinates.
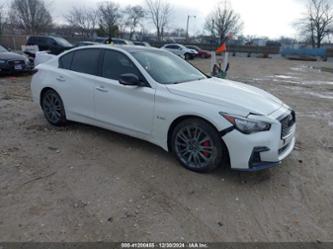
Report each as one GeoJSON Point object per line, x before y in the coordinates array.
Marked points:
{"type": "Point", "coordinates": [81, 183]}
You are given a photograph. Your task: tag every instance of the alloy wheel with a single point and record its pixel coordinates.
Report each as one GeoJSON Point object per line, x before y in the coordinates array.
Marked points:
{"type": "Point", "coordinates": [52, 107]}
{"type": "Point", "coordinates": [194, 147]}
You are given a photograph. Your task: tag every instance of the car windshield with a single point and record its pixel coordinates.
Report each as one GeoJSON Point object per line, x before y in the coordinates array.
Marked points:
{"type": "Point", "coordinates": [167, 68]}
{"type": "Point", "coordinates": [2, 49]}
{"type": "Point", "coordinates": [194, 47]}
{"type": "Point", "coordinates": [63, 42]}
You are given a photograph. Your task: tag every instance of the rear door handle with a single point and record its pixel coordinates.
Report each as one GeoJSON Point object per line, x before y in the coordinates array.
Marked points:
{"type": "Point", "coordinates": [61, 78]}
{"type": "Point", "coordinates": [101, 89]}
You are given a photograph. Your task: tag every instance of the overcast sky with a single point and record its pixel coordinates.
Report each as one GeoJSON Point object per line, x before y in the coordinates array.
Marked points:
{"type": "Point", "coordinates": [271, 18]}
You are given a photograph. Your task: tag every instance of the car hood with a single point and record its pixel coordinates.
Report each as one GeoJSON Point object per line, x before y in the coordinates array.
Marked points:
{"type": "Point", "coordinates": [11, 56]}
{"type": "Point", "coordinates": [240, 97]}
{"type": "Point", "coordinates": [192, 51]}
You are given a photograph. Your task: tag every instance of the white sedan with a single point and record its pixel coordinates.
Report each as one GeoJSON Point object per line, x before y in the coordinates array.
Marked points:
{"type": "Point", "coordinates": [180, 50]}
{"type": "Point", "coordinates": [156, 96]}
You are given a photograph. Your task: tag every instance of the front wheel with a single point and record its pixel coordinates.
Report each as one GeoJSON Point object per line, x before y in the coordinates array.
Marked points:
{"type": "Point", "coordinates": [187, 56]}
{"type": "Point", "coordinates": [53, 108]}
{"type": "Point", "coordinates": [198, 146]}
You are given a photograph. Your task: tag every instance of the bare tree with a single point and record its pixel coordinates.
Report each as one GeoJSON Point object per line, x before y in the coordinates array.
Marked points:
{"type": "Point", "coordinates": [109, 15]}
{"type": "Point", "coordinates": [315, 25]}
{"type": "Point", "coordinates": [223, 20]}
{"type": "Point", "coordinates": [83, 19]}
{"type": "Point", "coordinates": [30, 15]}
{"type": "Point", "coordinates": [159, 13]}
{"type": "Point", "coordinates": [2, 18]}
{"type": "Point", "coordinates": [135, 14]}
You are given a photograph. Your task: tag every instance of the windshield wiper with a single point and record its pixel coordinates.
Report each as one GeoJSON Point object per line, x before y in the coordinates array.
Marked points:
{"type": "Point", "coordinates": [184, 81]}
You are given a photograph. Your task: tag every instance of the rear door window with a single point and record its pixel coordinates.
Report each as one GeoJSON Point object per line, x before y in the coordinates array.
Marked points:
{"type": "Point", "coordinates": [65, 61]}
{"type": "Point", "coordinates": [42, 41]}
{"type": "Point", "coordinates": [51, 42]}
{"type": "Point", "coordinates": [32, 40]}
{"type": "Point", "coordinates": [86, 61]}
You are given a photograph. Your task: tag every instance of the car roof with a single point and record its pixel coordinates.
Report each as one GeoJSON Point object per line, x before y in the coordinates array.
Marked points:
{"type": "Point", "coordinates": [131, 49]}
{"type": "Point", "coordinates": [45, 36]}
{"type": "Point", "coordinates": [127, 48]}
{"type": "Point", "coordinates": [90, 42]}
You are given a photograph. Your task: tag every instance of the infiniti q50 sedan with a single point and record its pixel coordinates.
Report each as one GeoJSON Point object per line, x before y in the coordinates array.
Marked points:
{"type": "Point", "coordinates": [156, 96]}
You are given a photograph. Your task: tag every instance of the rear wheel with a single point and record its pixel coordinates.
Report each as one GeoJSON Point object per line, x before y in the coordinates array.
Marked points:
{"type": "Point", "coordinates": [197, 145]}
{"type": "Point", "coordinates": [53, 108]}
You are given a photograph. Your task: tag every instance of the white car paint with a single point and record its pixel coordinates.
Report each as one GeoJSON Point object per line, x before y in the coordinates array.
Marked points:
{"type": "Point", "coordinates": [179, 49]}
{"type": "Point", "coordinates": [42, 57]}
{"type": "Point", "coordinates": [148, 112]}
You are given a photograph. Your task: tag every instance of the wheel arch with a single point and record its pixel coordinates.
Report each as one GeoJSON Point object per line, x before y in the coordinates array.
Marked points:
{"type": "Point", "coordinates": [184, 117]}
{"type": "Point", "coordinates": [187, 53]}
{"type": "Point", "coordinates": [43, 91]}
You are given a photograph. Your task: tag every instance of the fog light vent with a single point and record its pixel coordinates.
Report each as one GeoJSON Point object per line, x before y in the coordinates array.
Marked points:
{"type": "Point", "coordinates": [255, 157]}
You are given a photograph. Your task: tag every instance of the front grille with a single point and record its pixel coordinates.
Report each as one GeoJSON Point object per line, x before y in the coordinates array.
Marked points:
{"type": "Point", "coordinates": [16, 62]}
{"type": "Point", "coordinates": [287, 123]}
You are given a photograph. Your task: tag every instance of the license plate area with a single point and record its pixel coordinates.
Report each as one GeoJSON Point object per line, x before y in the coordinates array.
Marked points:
{"type": "Point", "coordinates": [18, 67]}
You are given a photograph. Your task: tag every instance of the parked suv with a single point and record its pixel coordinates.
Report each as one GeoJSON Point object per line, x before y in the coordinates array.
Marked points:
{"type": "Point", "coordinates": [56, 45]}
{"type": "Point", "coordinates": [180, 50]}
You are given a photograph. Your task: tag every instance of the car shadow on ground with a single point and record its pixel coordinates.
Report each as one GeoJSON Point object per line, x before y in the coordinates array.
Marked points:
{"type": "Point", "coordinates": [225, 173]}
{"type": "Point", "coordinates": [15, 75]}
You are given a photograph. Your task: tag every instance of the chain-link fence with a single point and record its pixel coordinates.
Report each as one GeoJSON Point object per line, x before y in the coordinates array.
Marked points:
{"type": "Point", "coordinates": [13, 42]}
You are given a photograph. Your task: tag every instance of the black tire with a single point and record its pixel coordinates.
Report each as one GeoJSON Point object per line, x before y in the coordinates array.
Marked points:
{"type": "Point", "coordinates": [53, 108]}
{"type": "Point", "coordinates": [187, 56]}
{"type": "Point", "coordinates": [204, 143]}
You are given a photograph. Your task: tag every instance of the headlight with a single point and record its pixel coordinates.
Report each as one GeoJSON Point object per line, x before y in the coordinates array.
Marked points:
{"type": "Point", "coordinates": [2, 61]}
{"type": "Point", "coordinates": [245, 125]}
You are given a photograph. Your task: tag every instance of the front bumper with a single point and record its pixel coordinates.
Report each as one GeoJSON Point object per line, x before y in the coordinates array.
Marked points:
{"type": "Point", "coordinates": [15, 68]}
{"type": "Point", "coordinates": [261, 150]}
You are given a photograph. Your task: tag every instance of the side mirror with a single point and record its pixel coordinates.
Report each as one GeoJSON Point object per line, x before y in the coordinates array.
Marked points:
{"type": "Point", "coordinates": [130, 79]}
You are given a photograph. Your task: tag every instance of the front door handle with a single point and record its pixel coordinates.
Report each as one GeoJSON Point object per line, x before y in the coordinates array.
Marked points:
{"type": "Point", "coordinates": [101, 89]}
{"type": "Point", "coordinates": [61, 78]}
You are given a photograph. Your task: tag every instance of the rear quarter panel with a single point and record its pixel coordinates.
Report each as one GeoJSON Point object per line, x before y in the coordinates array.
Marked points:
{"type": "Point", "coordinates": [45, 76]}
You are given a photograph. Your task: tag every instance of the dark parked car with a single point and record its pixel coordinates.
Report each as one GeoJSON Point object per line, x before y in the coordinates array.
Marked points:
{"type": "Point", "coordinates": [201, 53]}
{"type": "Point", "coordinates": [56, 45]}
{"type": "Point", "coordinates": [115, 41]}
{"type": "Point", "coordinates": [118, 41]}
{"type": "Point", "coordinates": [12, 62]}
{"type": "Point", "coordinates": [85, 43]}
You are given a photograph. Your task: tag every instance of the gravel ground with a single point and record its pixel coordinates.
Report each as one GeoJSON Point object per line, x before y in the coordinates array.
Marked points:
{"type": "Point", "coordinates": [81, 183]}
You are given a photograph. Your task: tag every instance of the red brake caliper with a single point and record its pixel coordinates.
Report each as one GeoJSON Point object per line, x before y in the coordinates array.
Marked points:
{"type": "Point", "coordinates": [206, 144]}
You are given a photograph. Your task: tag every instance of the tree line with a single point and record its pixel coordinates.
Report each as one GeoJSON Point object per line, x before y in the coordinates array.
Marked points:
{"type": "Point", "coordinates": [108, 19]}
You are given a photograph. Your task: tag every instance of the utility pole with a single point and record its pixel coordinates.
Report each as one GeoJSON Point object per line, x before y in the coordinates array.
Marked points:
{"type": "Point", "coordinates": [188, 25]}
{"type": "Point", "coordinates": [213, 36]}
